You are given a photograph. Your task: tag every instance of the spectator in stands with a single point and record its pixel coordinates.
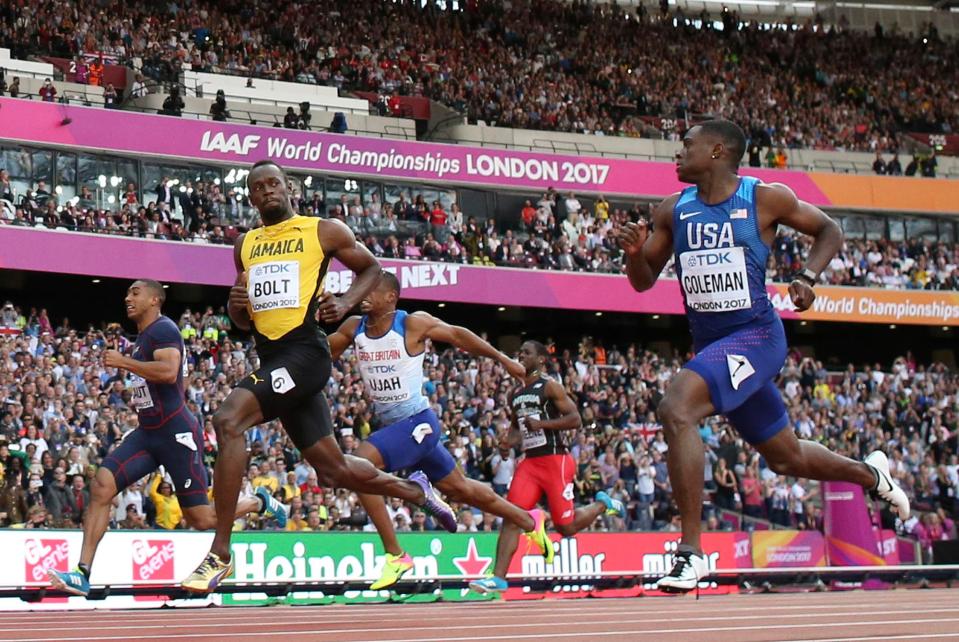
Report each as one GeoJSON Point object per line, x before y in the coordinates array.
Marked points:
{"type": "Point", "coordinates": [111, 99]}
{"type": "Point", "coordinates": [60, 501]}
{"type": "Point", "coordinates": [304, 116]}
{"type": "Point", "coordinates": [48, 93]}
{"type": "Point", "coordinates": [894, 168]}
{"type": "Point", "coordinates": [3, 81]}
{"type": "Point", "coordinates": [168, 511]}
{"type": "Point", "coordinates": [15, 87]}
{"type": "Point", "coordinates": [503, 465]}
{"type": "Point", "coordinates": [133, 519]}
{"type": "Point", "coordinates": [81, 73]}
{"type": "Point", "coordinates": [913, 166]}
{"type": "Point", "coordinates": [13, 501]}
{"type": "Point", "coordinates": [173, 105]}
{"type": "Point", "coordinates": [139, 89]}
{"type": "Point", "coordinates": [290, 120]}
{"type": "Point", "coordinates": [929, 165]}
{"type": "Point", "coordinates": [879, 165]}
{"type": "Point", "coordinates": [218, 110]}
{"type": "Point", "coordinates": [755, 154]}
{"type": "Point", "coordinates": [338, 124]}
{"type": "Point", "coordinates": [97, 69]}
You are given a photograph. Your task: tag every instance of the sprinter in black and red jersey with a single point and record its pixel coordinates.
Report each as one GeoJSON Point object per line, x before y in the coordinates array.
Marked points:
{"type": "Point", "coordinates": [543, 415]}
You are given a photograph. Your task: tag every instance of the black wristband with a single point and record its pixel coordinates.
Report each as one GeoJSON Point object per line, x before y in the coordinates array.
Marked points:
{"type": "Point", "coordinates": [807, 276]}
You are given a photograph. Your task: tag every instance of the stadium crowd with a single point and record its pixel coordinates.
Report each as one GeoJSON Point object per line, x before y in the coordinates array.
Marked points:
{"type": "Point", "coordinates": [62, 411]}
{"type": "Point", "coordinates": [541, 64]}
{"type": "Point", "coordinates": [557, 232]}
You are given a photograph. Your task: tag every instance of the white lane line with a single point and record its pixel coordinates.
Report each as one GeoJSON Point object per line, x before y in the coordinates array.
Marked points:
{"type": "Point", "coordinates": [550, 620]}
{"type": "Point", "coordinates": [911, 636]}
{"type": "Point", "coordinates": [511, 636]}
{"type": "Point", "coordinates": [464, 611]}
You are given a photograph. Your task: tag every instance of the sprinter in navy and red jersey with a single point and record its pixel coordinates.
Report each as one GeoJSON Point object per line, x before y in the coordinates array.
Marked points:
{"type": "Point", "coordinates": [168, 435]}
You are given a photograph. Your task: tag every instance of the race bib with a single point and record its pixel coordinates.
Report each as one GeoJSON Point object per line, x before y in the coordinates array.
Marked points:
{"type": "Point", "coordinates": [141, 399]}
{"type": "Point", "coordinates": [531, 438]}
{"type": "Point", "coordinates": [274, 285]}
{"type": "Point", "coordinates": [715, 280]}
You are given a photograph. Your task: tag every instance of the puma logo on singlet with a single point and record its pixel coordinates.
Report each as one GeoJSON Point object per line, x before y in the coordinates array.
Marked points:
{"type": "Point", "coordinates": [256, 379]}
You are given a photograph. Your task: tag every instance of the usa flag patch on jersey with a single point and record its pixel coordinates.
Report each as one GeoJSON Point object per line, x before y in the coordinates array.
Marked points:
{"type": "Point", "coordinates": [740, 213]}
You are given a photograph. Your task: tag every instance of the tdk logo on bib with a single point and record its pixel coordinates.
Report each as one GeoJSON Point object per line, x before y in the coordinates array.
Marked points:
{"type": "Point", "coordinates": [272, 268]}
{"type": "Point", "coordinates": [706, 260]}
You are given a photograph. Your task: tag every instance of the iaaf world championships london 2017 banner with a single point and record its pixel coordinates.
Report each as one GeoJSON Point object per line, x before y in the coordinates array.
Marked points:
{"type": "Point", "coordinates": [174, 262]}
{"type": "Point", "coordinates": [202, 140]}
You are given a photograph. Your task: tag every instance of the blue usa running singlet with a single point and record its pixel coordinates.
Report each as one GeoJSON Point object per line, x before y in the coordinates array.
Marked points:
{"type": "Point", "coordinates": [721, 262]}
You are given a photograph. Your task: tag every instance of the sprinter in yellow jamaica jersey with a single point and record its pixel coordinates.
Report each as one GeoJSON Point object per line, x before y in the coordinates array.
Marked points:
{"type": "Point", "coordinates": [278, 295]}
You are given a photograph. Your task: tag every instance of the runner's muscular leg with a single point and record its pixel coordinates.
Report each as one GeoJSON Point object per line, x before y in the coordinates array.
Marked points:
{"type": "Point", "coordinates": [346, 471]}
{"type": "Point", "coordinates": [239, 412]}
{"type": "Point", "coordinates": [374, 505]}
{"type": "Point", "coordinates": [686, 404]}
{"type": "Point", "coordinates": [788, 455]}
{"type": "Point", "coordinates": [469, 491]}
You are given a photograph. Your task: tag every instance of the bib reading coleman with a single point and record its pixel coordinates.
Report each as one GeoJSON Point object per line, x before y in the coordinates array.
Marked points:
{"type": "Point", "coordinates": [721, 262]}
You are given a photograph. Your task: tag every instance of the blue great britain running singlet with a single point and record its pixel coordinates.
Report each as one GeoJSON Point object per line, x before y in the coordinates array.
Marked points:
{"type": "Point", "coordinates": [721, 262]}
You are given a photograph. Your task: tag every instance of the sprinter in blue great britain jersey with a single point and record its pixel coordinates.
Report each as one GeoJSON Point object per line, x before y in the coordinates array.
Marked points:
{"type": "Point", "coordinates": [720, 231]}
{"type": "Point", "coordinates": [390, 346]}
{"type": "Point", "coordinates": [168, 435]}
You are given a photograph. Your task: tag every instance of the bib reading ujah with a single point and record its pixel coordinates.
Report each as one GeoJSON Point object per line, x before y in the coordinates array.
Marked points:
{"type": "Point", "coordinates": [715, 280]}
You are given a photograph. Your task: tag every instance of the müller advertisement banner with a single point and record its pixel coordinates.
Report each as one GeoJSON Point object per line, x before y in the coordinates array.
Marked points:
{"type": "Point", "coordinates": [177, 262]}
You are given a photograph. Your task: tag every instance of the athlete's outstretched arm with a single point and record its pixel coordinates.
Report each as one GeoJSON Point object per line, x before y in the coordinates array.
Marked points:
{"type": "Point", "coordinates": [163, 369]}
{"type": "Point", "coordinates": [338, 242]}
{"type": "Point", "coordinates": [647, 252]}
{"type": "Point", "coordinates": [343, 337]}
{"type": "Point", "coordinates": [784, 208]}
{"type": "Point", "coordinates": [568, 420]}
{"type": "Point", "coordinates": [425, 326]}
{"type": "Point", "coordinates": [238, 305]}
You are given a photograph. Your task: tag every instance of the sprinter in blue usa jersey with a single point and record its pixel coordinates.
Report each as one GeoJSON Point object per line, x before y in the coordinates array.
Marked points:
{"type": "Point", "coordinates": [719, 231]}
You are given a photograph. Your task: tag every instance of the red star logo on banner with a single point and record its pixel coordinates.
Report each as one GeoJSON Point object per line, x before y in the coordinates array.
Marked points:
{"type": "Point", "coordinates": [472, 565]}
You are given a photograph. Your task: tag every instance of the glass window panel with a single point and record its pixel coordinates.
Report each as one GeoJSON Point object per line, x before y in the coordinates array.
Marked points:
{"type": "Point", "coordinates": [152, 174]}
{"type": "Point", "coordinates": [853, 227]}
{"type": "Point", "coordinates": [947, 231]}
{"type": "Point", "coordinates": [66, 177]}
{"type": "Point", "coordinates": [447, 198]}
{"type": "Point", "coordinates": [340, 191]}
{"type": "Point", "coordinates": [897, 231]}
{"type": "Point", "coordinates": [875, 229]}
{"type": "Point", "coordinates": [17, 162]}
{"type": "Point", "coordinates": [43, 167]}
{"type": "Point", "coordinates": [392, 193]}
{"type": "Point", "coordinates": [921, 228]}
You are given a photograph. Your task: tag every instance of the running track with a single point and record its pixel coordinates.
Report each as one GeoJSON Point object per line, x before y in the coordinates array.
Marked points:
{"type": "Point", "coordinates": [855, 616]}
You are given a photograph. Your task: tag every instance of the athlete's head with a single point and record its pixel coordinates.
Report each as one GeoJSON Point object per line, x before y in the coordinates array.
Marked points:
{"type": "Point", "coordinates": [382, 299]}
{"type": "Point", "coordinates": [708, 146]}
{"type": "Point", "coordinates": [143, 297]}
{"type": "Point", "coordinates": [533, 356]}
{"type": "Point", "coordinates": [269, 193]}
